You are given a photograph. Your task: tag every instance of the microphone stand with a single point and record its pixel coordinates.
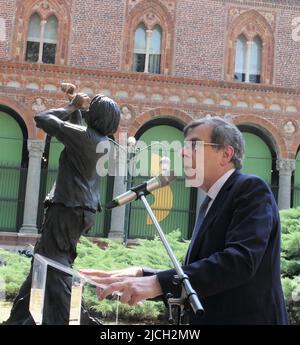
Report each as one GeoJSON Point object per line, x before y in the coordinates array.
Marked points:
{"type": "Point", "coordinates": [189, 297]}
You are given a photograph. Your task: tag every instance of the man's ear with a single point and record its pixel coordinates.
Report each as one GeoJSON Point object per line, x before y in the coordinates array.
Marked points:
{"type": "Point", "coordinates": [228, 153]}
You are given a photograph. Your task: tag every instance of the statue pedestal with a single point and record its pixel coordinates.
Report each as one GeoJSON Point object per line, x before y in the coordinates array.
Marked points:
{"type": "Point", "coordinates": [38, 286]}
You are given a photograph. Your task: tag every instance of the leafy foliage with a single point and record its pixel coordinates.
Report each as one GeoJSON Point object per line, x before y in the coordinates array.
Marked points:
{"type": "Point", "coordinates": [14, 273]}
{"type": "Point", "coordinates": [148, 253]}
{"type": "Point", "coordinates": [290, 261]}
{"type": "Point", "coordinates": [151, 253]}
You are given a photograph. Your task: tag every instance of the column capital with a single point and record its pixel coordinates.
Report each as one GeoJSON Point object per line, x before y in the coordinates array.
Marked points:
{"type": "Point", "coordinates": [35, 148]}
{"type": "Point", "coordinates": [285, 166]}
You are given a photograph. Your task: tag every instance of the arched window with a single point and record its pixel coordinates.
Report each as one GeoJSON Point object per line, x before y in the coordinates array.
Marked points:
{"type": "Point", "coordinates": [33, 40]}
{"type": "Point", "coordinates": [139, 49]}
{"type": "Point", "coordinates": [50, 40]}
{"type": "Point", "coordinates": [147, 49]}
{"type": "Point", "coordinates": [240, 58]}
{"type": "Point", "coordinates": [42, 39]}
{"type": "Point", "coordinates": [258, 53]}
{"type": "Point", "coordinates": [248, 55]}
{"type": "Point", "coordinates": [255, 60]}
{"type": "Point", "coordinates": [155, 50]}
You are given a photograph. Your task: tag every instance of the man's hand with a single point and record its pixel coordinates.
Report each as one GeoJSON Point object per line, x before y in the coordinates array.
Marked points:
{"type": "Point", "coordinates": [132, 290]}
{"type": "Point", "coordinates": [128, 283]}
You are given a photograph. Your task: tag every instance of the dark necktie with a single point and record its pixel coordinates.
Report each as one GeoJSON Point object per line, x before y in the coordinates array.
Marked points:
{"type": "Point", "coordinates": [197, 227]}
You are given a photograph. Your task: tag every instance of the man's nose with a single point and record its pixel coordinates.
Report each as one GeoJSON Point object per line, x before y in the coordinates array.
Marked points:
{"type": "Point", "coordinates": [184, 152]}
{"type": "Point", "coordinates": [181, 152]}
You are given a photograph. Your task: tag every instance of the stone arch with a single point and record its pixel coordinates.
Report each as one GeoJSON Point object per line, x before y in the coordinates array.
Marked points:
{"type": "Point", "coordinates": [150, 13]}
{"type": "Point", "coordinates": [295, 146]}
{"type": "Point", "coordinates": [251, 24]}
{"type": "Point", "coordinates": [24, 112]}
{"type": "Point", "coordinates": [171, 113]}
{"type": "Point", "coordinates": [45, 9]}
{"type": "Point", "coordinates": [269, 130]}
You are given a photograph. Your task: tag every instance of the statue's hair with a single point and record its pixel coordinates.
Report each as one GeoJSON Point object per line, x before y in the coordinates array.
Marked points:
{"type": "Point", "coordinates": [103, 115]}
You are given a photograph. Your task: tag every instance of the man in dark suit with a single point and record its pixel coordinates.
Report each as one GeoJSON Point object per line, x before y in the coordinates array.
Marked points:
{"type": "Point", "coordinates": [233, 261]}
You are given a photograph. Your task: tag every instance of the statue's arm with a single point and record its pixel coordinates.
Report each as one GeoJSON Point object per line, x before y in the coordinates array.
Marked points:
{"type": "Point", "coordinates": [76, 117]}
{"type": "Point", "coordinates": [51, 120]}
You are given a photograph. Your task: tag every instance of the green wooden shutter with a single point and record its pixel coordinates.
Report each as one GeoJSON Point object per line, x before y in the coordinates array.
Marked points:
{"type": "Point", "coordinates": [11, 144]}
{"type": "Point", "coordinates": [176, 195]}
{"type": "Point", "coordinates": [296, 194]}
{"type": "Point", "coordinates": [258, 158]}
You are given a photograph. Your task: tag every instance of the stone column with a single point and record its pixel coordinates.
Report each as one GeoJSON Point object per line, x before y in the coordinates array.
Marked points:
{"type": "Point", "coordinates": [248, 61]}
{"type": "Point", "coordinates": [148, 45]}
{"type": "Point", "coordinates": [285, 168]}
{"type": "Point", "coordinates": [117, 224]}
{"type": "Point", "coordinates": [42, 35]}
{"type": "Point", "coordinates": [36, 149]}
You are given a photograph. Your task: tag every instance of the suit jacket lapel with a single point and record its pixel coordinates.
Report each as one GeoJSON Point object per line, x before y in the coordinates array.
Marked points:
{"type": "Point", "coordinates": [212, 212]}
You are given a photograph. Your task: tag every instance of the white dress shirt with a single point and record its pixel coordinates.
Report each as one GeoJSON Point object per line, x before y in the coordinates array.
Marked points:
{"type": "Point", "coordinates": [217, 186]}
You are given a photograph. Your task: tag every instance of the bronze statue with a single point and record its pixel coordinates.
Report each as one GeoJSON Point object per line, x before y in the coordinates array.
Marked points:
{"type": "Point", "coordinates": [73, 201]}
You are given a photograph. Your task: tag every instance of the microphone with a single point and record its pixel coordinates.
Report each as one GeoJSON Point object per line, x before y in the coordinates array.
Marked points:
{"type": "Point", "coordinates": [145, 188]}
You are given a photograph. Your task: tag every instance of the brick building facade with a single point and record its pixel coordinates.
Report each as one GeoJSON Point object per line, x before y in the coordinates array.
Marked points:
{"type": "Point", "coordinates": [95, 49]}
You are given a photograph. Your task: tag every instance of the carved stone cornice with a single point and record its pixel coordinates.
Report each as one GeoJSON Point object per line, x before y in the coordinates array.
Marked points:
{"type": "Point", "coordinates": [80, 73]}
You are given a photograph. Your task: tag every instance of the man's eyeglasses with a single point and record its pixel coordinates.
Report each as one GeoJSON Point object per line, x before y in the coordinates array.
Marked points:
{"type": "Point", "coordinates": [193, 143]}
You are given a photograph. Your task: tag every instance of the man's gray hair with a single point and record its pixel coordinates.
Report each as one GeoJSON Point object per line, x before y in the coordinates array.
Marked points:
{"type": "Point", "coordinates": [224, 134]}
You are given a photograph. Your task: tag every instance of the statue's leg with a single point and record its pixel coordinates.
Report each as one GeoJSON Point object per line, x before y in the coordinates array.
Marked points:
{"type": "Point", "coordinates": [20, 314]}
{"type": "Point", "coordinates": [61, 231]}
{"type": "Point", "coordinates": [57, 298]}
